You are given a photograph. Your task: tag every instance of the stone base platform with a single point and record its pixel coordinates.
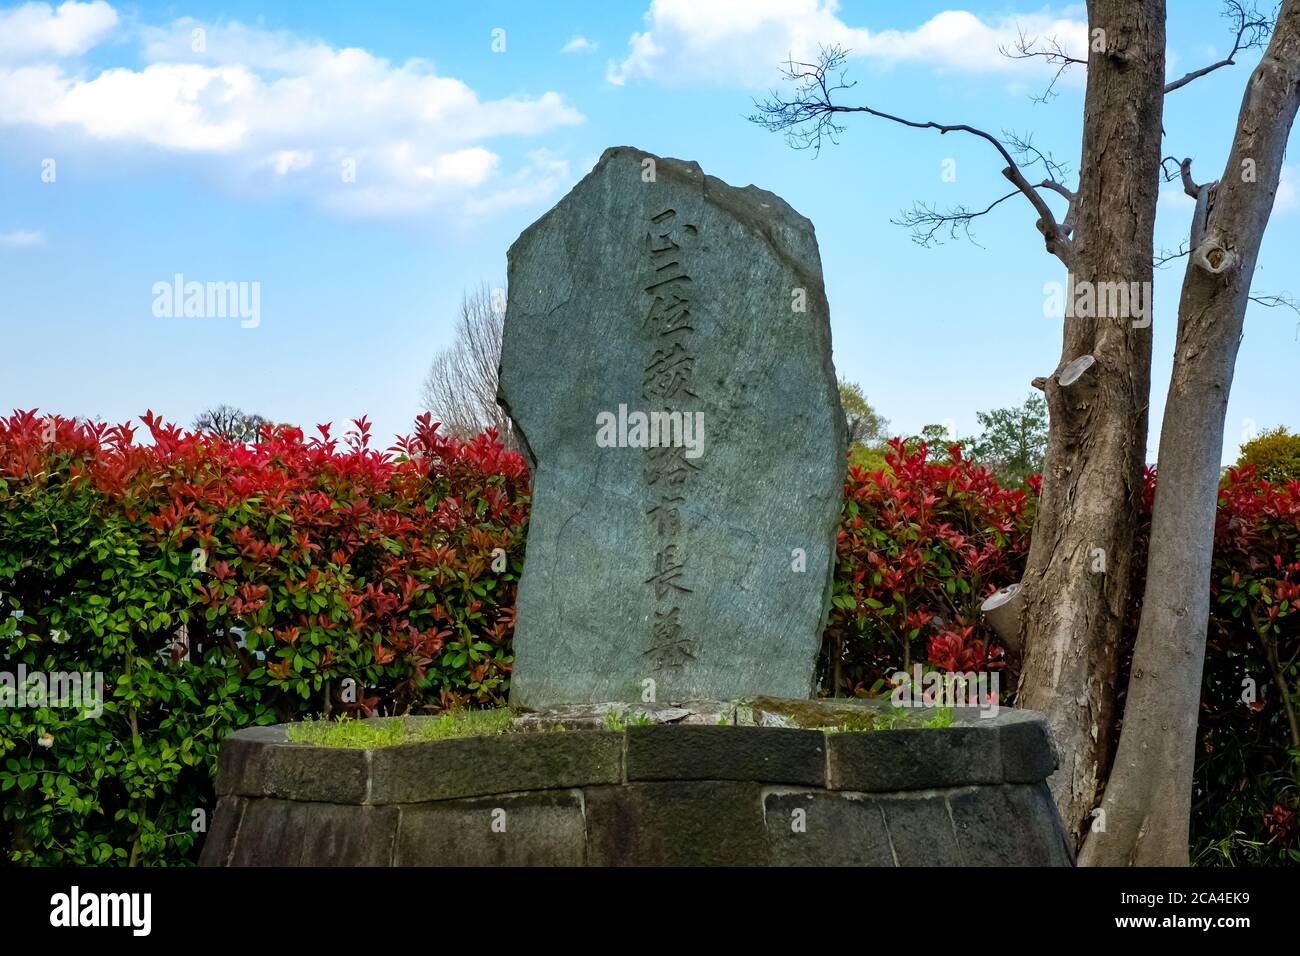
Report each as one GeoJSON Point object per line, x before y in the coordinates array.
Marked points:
{"type": "Point", "coordinates": [662, 791]}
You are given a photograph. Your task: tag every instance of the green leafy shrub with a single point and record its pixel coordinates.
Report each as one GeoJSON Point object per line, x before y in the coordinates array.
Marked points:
{"type": "Point", "coordinates": [215, 585]}
{"type": "Point", "coordinates": [921, 543]}
{"type": "Point", "coordinates": [1274, 455]}
{"type": "Point", "coordinates": [868, 457]}
{"type": "Point", "coordinates": [1246, 800]}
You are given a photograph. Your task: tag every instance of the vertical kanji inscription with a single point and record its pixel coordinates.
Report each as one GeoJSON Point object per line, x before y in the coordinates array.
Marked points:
{"type": "Point", "coordinates": [667, 380]}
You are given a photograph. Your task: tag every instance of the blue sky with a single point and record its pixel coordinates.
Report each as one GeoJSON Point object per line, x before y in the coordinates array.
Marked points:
{"type": "Point", "coordinates": [223, 163]}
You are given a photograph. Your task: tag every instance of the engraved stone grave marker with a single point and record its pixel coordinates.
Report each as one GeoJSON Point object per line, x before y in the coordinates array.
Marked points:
{"type": "Point", "coordinates": [667, 361]}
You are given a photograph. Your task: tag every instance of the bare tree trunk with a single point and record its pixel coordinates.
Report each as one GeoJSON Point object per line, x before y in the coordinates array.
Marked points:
{"type": "Point", "coordinates": [461, 387]}
{"type": "Point", "coordinates": [1076, 581]}
{"type": "Point", "coordinates": [1146, 809]}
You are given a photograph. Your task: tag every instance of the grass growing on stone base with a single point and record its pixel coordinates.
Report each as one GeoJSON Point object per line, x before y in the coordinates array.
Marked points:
{"type": "Point", "coordinates": [893, 720]}
{"type": "Point", "coordinates": [618, 723]}
{"type": "Point", "coordinates": [392, 731]}
{"type": "Point", "coordinates": [838, 715]}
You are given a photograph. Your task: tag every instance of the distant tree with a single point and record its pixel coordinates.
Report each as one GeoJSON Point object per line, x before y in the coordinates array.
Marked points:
{"type": "Point", "coordinates": [867, 428]}
{"type": "Point", "coordinates": [1275, 455]}
{"type": "Point", "coordinates": [866, 425]}
{"type": "Point", "coordinates": [230, 423]}
{"type": "Point", "coordinates": [1013, 441]}
{"type": "Point", "coordinates": [461, 387]}
{"type": "Point", "coordinates": [868, 457]}
{"type": "Point", "coordinates": [938, 439]}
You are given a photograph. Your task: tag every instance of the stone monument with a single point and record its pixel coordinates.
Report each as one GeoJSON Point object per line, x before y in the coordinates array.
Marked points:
{"type": "Point", "coordinates": [667, 363]}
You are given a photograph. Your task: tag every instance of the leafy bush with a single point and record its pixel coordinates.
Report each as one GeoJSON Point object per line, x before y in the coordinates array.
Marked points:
{"type": "Point", "coordinates": [215, 585]}
{"type": "Point", "coordinates": [1275, 455]}
{"type": "Point", "coordinates": [868, 457]}
{"type": "Point", "coordinates": [921, 544]}
{"type": "Point", "coordinates": [1248, 761]}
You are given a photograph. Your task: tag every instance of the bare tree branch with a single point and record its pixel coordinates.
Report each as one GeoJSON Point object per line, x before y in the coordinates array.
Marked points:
{"type": "Point", "coordinates": [811, 114]}
{"type": "Point", "coordinates": [461, 387]}
{"type": "Point", "coordinates": [927, 222]}
{"type": "Point", "coordinates": [1253, 29]}
{"type": "Point", "coordinates": [1172, 168]}
{"type": "Point", "coordinates": [1053, 185]}
{"type": "Point", "coordinates": [230, 423]}
{"type": "Point", "coordinates": [1167, 256]}
{"type": "Point", "coordinates": [1050, 51]}
{"type": "Point", "coordinates": [1203, 193]}
{"type": "Point", "coordinates": [1185, 173]}
{"type": "Point", "coordinates": [1029, 154]}
{"type": "Point", "coordinates": [1279, 300]}
{"type": "Point", "coordinates": [1071, 210]}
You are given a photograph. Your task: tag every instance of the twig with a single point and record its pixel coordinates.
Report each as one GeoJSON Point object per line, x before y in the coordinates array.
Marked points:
{"type": "Point", "coordinates": [1253, 28]}
{"type": "Point", "coordinates": [1049, 50]}
{"type": "Point", "coordinates": [811, 114]}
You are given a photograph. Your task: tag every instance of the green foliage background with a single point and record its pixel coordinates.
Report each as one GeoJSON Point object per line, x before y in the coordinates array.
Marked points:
{"type": "Point", "coordinates": [397, 572]}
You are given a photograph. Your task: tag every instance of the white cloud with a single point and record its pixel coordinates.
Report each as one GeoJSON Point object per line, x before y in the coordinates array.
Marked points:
{"type": "Point", "coordinates": [579, 45]}
{"type": "Point", "coordinates": [742, 42]}
{"type": "Point", "coordinates": [1288, 195]}
{"type": "Point", "coordinates": [19, 238]}
{"type": "Point", "coordinates": [37, 30]}
{"type": "Point", "coordinates": [287, 161]}
{"type": "Point", "coordinates": [188, 40]}
{"type": "Point", "coordinates": [544, 174]}
{"type": "Point", "coordinates": [292, 114]}
{"type": "Point", "coordinates": [960, 40]}
{"type": "Point", "coordinates": [183, 107]}
{"type": "Point", "coordinates": [1174, 198]}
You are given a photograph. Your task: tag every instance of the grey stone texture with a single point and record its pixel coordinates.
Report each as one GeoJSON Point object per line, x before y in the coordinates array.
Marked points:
{"type": "Point", "coordinates": [523, 829]}
{"type": "Point", "coordinates": [276, 832]}
{"type": "Point", "coordinates": [475, 766]}
{"type": "Point", "coordinates": [913, 759]}
{"type": "Point", "coordinates": [680, 823]}
{"type": "Point", "coordinates": [661, 794]}
{"type": "Point", "coordinates": [818, 828]}
{"type": "Point", "coordinates": [667, 752]}
{"type": "Point", "coordinates": [705, 567]}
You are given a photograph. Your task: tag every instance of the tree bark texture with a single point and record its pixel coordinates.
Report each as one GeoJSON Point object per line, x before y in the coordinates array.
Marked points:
{"type": "Point", "coordinates": [1146, 810]}
{"type": "Point", "coordinates": [1076, 581]}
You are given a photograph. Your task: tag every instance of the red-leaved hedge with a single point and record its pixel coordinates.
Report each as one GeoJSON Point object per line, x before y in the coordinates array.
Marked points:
{"type": "Point", "coordinates": [922, 542]}
{"type": "Point", "coordinates": [925, 539]}
{"type": "Point", "coordinates": [217, 585]}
